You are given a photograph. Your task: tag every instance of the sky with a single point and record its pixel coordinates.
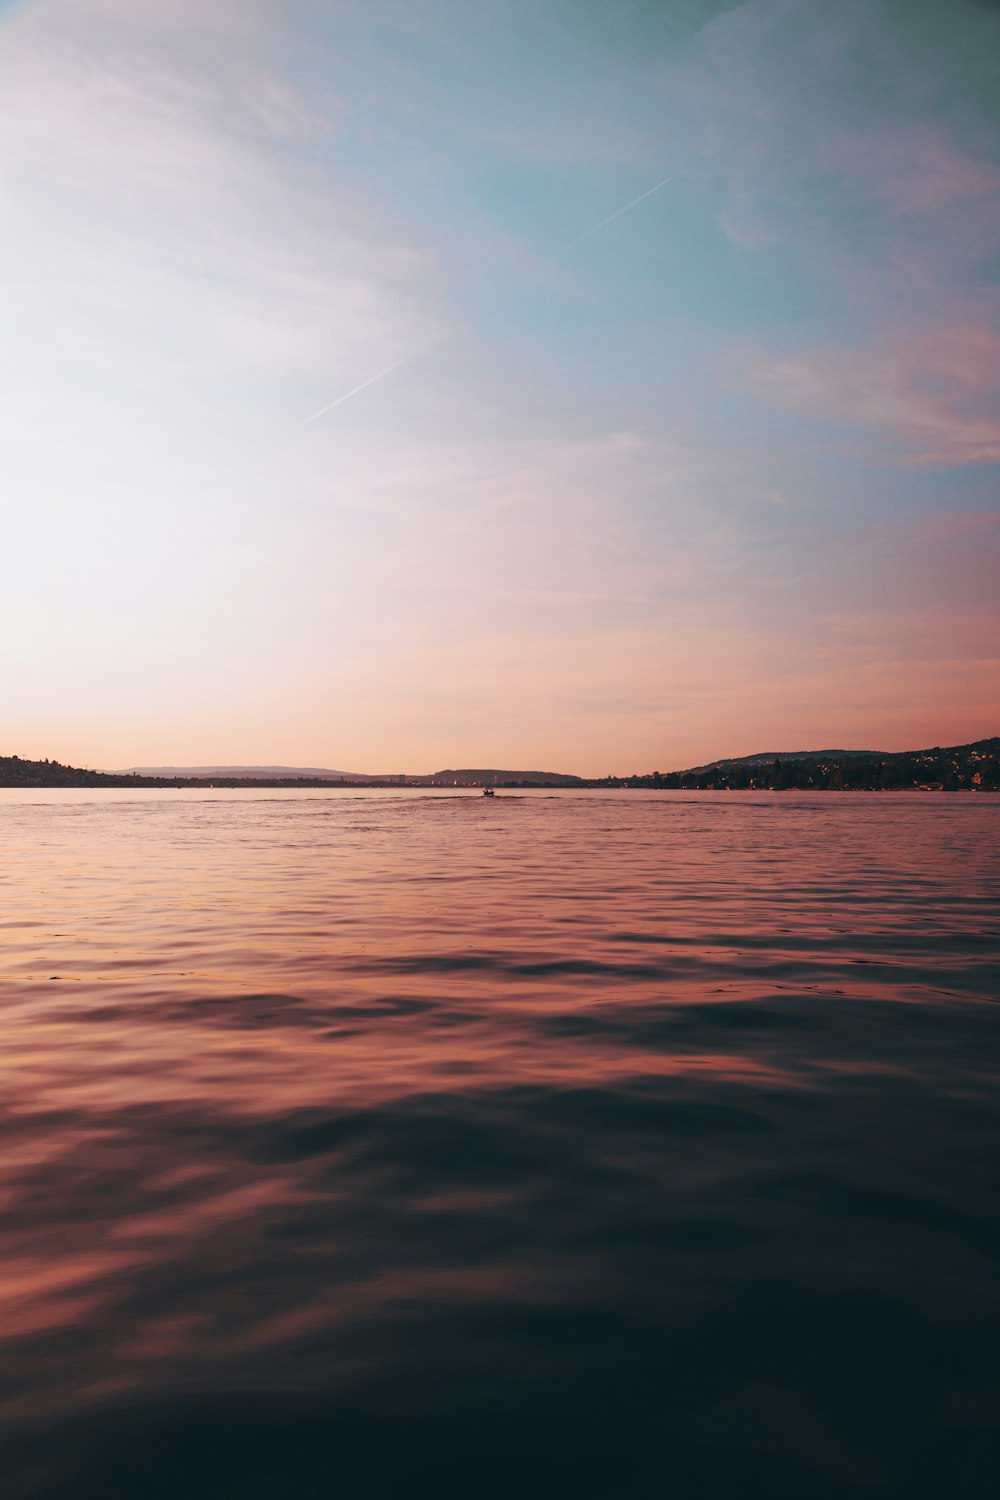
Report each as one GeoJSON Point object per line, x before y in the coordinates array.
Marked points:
{"type": "Point", "coordinates": [352, 418]}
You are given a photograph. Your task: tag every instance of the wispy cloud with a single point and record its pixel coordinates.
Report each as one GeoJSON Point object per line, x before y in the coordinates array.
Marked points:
{"type": "Point", "coordinates": [159, 221]}
{"type": "Point", "coordinates": [937, 393]}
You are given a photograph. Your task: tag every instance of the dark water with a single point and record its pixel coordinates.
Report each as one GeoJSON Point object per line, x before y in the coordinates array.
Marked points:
{"type": "Point", "coordinates": [577, 1144]}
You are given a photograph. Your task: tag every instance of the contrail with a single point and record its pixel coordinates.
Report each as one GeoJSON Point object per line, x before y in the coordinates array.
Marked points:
{"type": "Point", "coordinates": [381, 374]}
{"type": "Point", "coordinates": [363, 386]}
{"type": "Point", "coordinates": [618, 213]}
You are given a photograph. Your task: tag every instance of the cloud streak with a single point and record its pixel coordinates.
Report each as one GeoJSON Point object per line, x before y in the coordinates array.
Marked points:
{"type": "Point", "coordinates": [936, 391]}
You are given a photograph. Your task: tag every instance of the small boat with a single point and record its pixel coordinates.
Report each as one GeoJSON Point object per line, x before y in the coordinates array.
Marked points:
{"type": "Point", "coordinates": [487, 791]}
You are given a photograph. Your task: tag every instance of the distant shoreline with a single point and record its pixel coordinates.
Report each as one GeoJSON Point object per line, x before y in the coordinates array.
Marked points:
{"type": "Point", "coordinates": [200, 784]}
{"type": "Point", "coordinates": [954, 768]}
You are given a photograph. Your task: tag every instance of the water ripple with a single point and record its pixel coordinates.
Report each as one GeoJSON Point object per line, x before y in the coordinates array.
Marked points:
{"type": "Point", "coordinates": [603, 1145]}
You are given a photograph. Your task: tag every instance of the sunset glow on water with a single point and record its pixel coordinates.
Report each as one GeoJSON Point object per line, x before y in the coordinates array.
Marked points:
{"type": "Point", "coordinates": [589, 1142]}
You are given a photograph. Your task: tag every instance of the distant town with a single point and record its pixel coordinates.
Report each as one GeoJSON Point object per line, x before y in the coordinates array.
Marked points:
{"type": "Point", "coordinates": [955, 768]}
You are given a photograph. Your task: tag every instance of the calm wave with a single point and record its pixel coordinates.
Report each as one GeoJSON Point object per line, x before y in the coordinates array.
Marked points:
{"type": "Point", "coordinates": [368, 1144]}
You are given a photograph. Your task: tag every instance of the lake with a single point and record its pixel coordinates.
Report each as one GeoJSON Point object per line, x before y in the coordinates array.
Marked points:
{"type": "Point", "coordinates": [379, 1143]}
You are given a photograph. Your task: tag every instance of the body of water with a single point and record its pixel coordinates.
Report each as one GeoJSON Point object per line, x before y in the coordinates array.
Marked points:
{"type": "Point", "coordinates": [368, 1144]}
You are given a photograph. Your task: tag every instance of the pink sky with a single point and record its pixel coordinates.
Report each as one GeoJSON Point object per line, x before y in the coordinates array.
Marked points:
{"type": "Point", "coordinates": [711, 476]}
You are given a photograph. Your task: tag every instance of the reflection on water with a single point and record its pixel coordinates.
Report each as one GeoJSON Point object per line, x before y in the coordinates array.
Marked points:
{"type": "Point", "coordinates": [566, 1143]}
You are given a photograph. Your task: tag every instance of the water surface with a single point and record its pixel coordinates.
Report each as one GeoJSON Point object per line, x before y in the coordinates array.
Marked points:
{"type": "Point", "coordinates": [568, 1143]}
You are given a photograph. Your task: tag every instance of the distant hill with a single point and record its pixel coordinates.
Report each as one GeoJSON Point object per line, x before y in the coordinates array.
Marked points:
{"type": "Point", "coordinates": [15, 771]}
{"type": "Point", "coordinates": [500, 778]}
{"type": "Point", "coordinates": [312, 773]}
{"type": "Point", "coordinates": [768, 757]}
{"type": "Point", "coordinates": [950, 768]}
{"type": "Point", "coordinates": [257, 773]}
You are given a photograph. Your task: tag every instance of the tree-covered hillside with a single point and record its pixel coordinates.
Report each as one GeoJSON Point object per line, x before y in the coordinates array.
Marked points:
{"type": "Point", "coordinates": [954, 768]}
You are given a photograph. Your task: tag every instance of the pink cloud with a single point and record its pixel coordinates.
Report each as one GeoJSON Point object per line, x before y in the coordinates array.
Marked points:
{"type": "Point", "coordinates": [935, 391]}
{"type": "Point", "coordinates": [913, 168]}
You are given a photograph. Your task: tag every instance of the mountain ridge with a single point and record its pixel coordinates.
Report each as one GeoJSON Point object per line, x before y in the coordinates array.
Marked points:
{"type": "Point", "coordinates": [257, 772]}
{"type": "Point", "coordinates": [765, 757]}
{"type": "Point", "coordinates": [972, 766]}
